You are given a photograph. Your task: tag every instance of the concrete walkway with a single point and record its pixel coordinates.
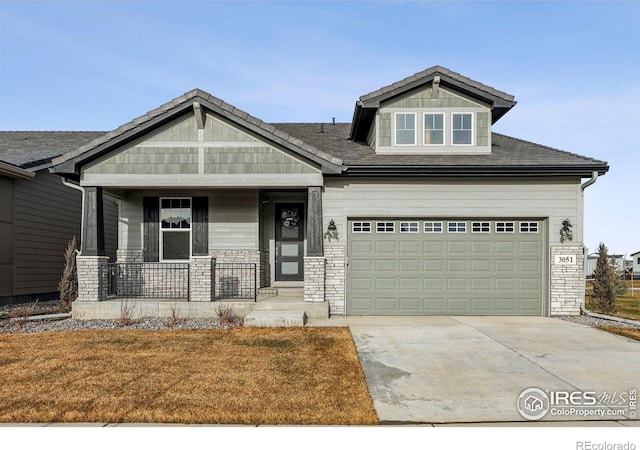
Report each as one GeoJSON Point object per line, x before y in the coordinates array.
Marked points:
{"type": "Point", "coordinates": [447, 370]}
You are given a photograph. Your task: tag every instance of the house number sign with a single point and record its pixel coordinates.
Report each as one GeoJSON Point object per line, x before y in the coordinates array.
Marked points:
{"type": "Point", "coordinates": [565, 259]}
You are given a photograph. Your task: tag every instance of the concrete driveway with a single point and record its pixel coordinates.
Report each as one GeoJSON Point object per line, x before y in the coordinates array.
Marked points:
{"type": "Point", "coordinates": [473, 369]}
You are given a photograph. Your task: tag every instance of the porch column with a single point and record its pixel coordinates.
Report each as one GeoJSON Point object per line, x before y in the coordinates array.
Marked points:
{"type": "Point", "coordinates": [314, 221]}
{"type": "Point", "coordinates": [201, 279]}
{"type": "Point", "coordinates": [92, 240]}
{"type": "Point", "coordinates": [314, 262]}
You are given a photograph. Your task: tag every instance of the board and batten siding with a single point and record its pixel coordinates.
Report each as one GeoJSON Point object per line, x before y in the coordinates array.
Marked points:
{"type": "Point", "coordinates": [6, 237]}
{"type": "Point", "coordinates": [47, 216]}
{"type": "Point", "coordinates": [233, 218]}
{"type": "Point", "coordinates": [421, 102]}
{"type": "Point", "coordinates": [556, 199]}
{"type": "Point", "coordinates": [218, 155]}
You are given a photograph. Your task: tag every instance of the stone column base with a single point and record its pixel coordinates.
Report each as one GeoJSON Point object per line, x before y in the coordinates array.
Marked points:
{"type": "Point", "coordinates": [314, 278]}
{"type": "Point", "coordinates": [201, 273]}
{"type": "Point", "coordinates": [567, 279]}
{"type": "Point", "coordinates": [89, 285]}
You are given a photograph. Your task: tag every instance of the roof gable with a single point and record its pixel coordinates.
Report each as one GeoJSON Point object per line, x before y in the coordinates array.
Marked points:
{"type": "Point", "coordinates": [191, 103]}
{"type": "Point", "coordinates": [498, 101]}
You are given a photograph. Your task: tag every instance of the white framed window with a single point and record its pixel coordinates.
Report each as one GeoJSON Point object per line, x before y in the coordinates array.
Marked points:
{"type": "Point", "coordinates": [361, 227]}
{"type": "Point", "coordinates": [462, 129]}
{"type": "Point", "coordinates": [457, 227]}
{"type": "Point", "coordinates": [175, 229]}
{"type": "Point", "coordinates": [433, 129]}
{"type": "Point", "coordinates": [505, 227]}
{"type": "Point", "coordinates": [433, 227]}
{"type": "Point", "coordinates": [480, 227]}
{"type": "Point", "coordinates": [405, 130]}
{"type": "Point", "coordinates": [385, 227]}
{"type": "Point", "coordinates": [528, 227]}
{"type": "Point", "coordinates": [408, 227]}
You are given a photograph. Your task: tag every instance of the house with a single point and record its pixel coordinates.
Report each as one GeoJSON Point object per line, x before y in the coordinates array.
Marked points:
{"type": "Point", "coordinates": [617, 261]}
{"type": "Point", "coordinates": [635, 259]}
{"type": "Point", "coordinates": [414, 208]}
{"type": "Point", "coordinates": [39, 214]}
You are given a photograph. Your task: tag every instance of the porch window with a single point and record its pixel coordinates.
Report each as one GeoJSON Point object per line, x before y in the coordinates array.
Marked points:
{"type": "Point", "coordinates": [175, 229]}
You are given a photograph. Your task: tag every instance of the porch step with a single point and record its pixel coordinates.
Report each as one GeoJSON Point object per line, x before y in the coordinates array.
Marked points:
{"type": "Point", "coordinates": [271, 319]}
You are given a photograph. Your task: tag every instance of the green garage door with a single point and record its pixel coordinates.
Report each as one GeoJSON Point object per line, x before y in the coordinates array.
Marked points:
{"type": "Point", "coordinates": [445, 267]}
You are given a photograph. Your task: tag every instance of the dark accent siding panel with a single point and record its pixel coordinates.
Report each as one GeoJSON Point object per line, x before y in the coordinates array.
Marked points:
{"type": "Point", "coordinates": [110, 227]}
{"type": "Point", "coordinates": [47, 216]}
{"type": "Point", "coordinates": [151, 229]}
{"type": "Point", "coordinates": [200, 234]}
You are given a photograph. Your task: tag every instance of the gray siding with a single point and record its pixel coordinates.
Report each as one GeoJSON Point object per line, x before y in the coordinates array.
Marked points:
{"type": "Point", "coordinates": [556, 199]}
{"type": "Point", "coordinates": [233, 218]}
{"type": "Point", "coordinates": [6, 237]}
{"type": "Point", "coordinates": [47, 216]}
{"type": "Point", "coordinates": [422, 102]}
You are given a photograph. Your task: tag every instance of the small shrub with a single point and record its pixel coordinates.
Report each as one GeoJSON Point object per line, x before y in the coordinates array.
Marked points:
{"type": "Point", "coordinates": [127, 312]}
{"type": "Point", "coordinates": [174, 319]}
{"type": "Point", "coordinates": [18, 316]}
{"type": "Point", "coordinates": [226, 312]}
{"type": "Point", "coordinates": [68, 285]}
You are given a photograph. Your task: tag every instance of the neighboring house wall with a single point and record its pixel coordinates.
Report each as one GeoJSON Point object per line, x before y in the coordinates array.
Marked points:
{"type": "Point", "coordinates": [45, 216]}
{"type": "Point", "coordinates": [636, 262]}
{"type": "Point", "coordinates": [6, 237]}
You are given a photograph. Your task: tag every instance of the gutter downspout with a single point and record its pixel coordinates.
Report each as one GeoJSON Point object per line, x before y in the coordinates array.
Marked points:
{"type": "Point", "coordinates": [77, 187]}
{"type": "Point", "coordinates": [594, 177]}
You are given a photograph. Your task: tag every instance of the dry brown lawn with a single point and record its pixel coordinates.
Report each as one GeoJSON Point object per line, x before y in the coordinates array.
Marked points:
{"type": "Point", "coordinates": [239, 376]}
{"type": "Point", "coordinates": [632, 333]}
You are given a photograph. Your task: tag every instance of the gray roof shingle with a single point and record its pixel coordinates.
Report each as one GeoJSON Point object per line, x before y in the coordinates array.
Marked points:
{"type": "Point", "coordinates": [27, 149]}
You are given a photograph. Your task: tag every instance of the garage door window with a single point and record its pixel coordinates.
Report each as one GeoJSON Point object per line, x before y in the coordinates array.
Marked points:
{"type": "Point", "coordinates": [361, 227]}
{"type": "Point", "coordinates": [480, 227]}
{"type": "Point", "coordinates": [528, 227]}
{"type": "Point", "coordinates": [433, 227]}
{"type": "Point", "coordinates": [505, 227]}
{"type": "Point", "coordinates": [457, 227]}
{"type": "Point", "coordinates": [408, 227]}
{"type": "Point", "coordinates": [385, 227]}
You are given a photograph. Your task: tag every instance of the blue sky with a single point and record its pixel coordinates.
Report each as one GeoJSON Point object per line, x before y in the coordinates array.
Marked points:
{"type": "Point", "coordinates": [574, 68]}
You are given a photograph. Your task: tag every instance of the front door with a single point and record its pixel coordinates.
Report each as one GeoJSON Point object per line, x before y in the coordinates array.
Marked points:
{"type": "Point", "coordinates": [289, 241]}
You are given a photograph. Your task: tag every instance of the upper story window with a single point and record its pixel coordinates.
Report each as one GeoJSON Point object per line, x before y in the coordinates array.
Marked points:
{"type": "Point", "coordinates": [175, 229]}
{"type": "Point", "coordinates": [462, 128]}
{"type": "Point", "coordinates": [433, 129]}
{"type": "Point", "coordinates": [405, 129]}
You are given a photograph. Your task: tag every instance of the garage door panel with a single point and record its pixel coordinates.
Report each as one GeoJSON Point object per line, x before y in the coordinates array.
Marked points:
{"type": "Point", "coordinates": [409, 284]}
{"type": "Point", "coordinates": [386, 284]}
{"type": "Point", "coordinates": [386, 305]}
{"type": "Point", "coordinates": [431, 273]}
{"type": "Point", "coordinates": [457, 247]}
{"type": "Point", "coordinates": [409, 265]}
{"type": "Point", "coordinates": [482, 284]}
{"type": "Point", "coordinates": [410, 305]}
{"type": "Point", "coordinates": [383, 247]}
{"type": "Point", "coordinates": [433, 248]}
{"type": "Point", "coordinates": [458, 305]}
{"type": "Point", "coordinates": [437, 284]}
{"type": "Point", "coordinates": [457, 265]}
{"type": "Point", "coordinates": [457, 284]}
{"type": "Point", "coordinates": [361, 265]}
{"type": "Point", "coordinates": [408, 247]}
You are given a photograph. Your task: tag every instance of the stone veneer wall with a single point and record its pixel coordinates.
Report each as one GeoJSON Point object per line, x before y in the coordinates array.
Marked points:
{"type": "Point", "coordinates": [335, 284]}
{"type": "Point", "coordinates": [89, 286]}
{"type": "Point", "coordinates": [567, 281]}
{"type": "Point", "coordinates": [134, 255]}
{"type": "Point", "coordinates": [314, 278]}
